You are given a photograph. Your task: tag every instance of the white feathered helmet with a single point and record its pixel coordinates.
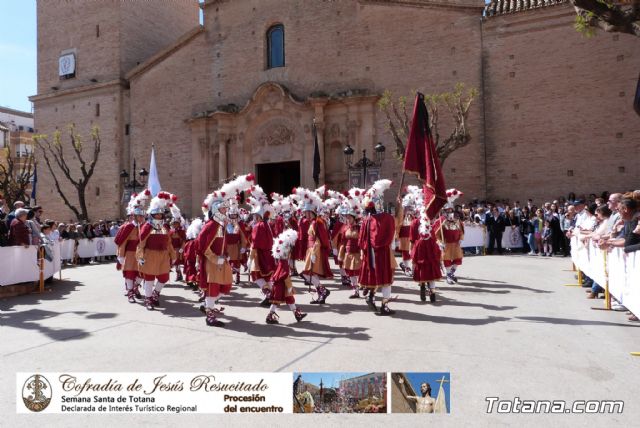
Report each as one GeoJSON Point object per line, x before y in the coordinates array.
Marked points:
{"type": "Point", "coordinates": [194, 228]}
{"type": "Point", "coordinates": [161, 203]}
{"type": "Point", "coordinates": [352, 204]}
{"type": "Point", "coordinates": [452, 195]}
{"type": "Point", "coordinates": [259, 202]}
{"type": "Point", "coordinates": [374, 197]}
{"type": "Point", "coordinates": [283, 244]}
{"type": "Point", "coordinates": [310, 200]}
{"type": "Point", "coordinates": [137, 203]}
{"type": "Point", "coordinates": [218, 199]}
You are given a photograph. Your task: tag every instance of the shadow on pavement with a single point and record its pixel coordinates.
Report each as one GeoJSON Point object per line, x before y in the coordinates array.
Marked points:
{"type": "Point", "coordinates": [571, 321]}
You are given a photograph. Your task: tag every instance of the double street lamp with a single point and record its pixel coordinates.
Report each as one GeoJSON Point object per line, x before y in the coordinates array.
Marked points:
{"type": "Point", "coordinates": [134, 184]}
{"type": "Point", "coordinates": [363, 163]}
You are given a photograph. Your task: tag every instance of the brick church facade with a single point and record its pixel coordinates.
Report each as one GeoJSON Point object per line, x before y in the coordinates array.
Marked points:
{"type": "Point", "coordinates": [240, 92]}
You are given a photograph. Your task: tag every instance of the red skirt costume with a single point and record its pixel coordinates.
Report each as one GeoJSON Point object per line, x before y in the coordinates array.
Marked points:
{"type": "Point", "coordinates": [245, 230]}
{"type": "Point", "coordinates": [337, 234]}
{"type": "Point", "coordinates": [350, 251]}
{"type": "Point", "coordinates": [376, 236]}
{"type": "Point", "coordinates": [262, 262]}
{"type": "Point", "coordinates": [214, 278]}
{"type": "Point", "coordinates": [282, 291]}
{"type": "Point", "coordinates": [190, 256]}
{"type": "Point", "coordinates": [158, 253]}
{"type": "Point", "coordinates": [403, 224]}
{"type": "Point", "coordinates": [318, 245]}
{"type": "Point", "coordinates": [300, 249]}
{"type": "Point", "coordinates": [127, 241]}
{"type": "Point", "coordinates": [178, 239]}
{"type": "Point", "coordinates": [235, 241]}
{"type": "Point", "coordinates": [425, 253]}
{"type": "Point", "coordinates": [453, 232]}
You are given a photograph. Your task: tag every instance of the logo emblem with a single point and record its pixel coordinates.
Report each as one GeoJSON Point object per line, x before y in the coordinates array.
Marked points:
{"type": "Point", "coordinates": [36, 393]}
{"type": "Point", "coordinates": [100, 246]}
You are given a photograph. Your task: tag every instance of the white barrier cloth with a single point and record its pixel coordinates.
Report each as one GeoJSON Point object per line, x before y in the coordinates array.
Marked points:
{"type": "Point", "coordinates": [474, 236]}
{"type": "Point", "coordinates": [19, 264]}
{"type": "Point", "coordinates": [622, 271]}
{"type": "Point", "coordinates": [154, 393]}
{"type": "Point", "coordinates": [96, 247]}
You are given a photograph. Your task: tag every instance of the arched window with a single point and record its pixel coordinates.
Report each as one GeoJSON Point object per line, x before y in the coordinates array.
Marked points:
{"type": "Point", "coordinates": [275, 46]}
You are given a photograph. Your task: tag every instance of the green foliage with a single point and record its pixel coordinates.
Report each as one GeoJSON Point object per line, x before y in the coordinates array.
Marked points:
{"type": "Point", "coordinates": [583, 26]}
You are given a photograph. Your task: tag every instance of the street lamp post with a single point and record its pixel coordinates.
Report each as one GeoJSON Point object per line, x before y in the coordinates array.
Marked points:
{"type": "Point", "coordinates": [364, 163]}
{"type": "Point", "coordinates": [130, 186]}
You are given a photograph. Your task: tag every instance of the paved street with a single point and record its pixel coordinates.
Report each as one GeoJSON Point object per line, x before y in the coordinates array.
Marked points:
{"type": "Point", "coordinates": [508, 329]}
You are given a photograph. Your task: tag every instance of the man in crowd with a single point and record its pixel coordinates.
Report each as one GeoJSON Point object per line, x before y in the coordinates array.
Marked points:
{"type": "Point", "coordinates": [495, 223]}
{"type": "Point", "coordinates": [16, 206]}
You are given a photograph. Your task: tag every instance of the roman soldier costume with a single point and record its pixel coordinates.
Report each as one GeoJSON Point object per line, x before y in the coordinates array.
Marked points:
{"type": "Point", "coordinates": [318, 245]}
{"type": "Point", "coordinates": [127, 240]}
{"type": "Point", "coordinates": [375, 239]}
{"type": "Point", "coordinates": [452, 234]}
{"type": "Point", "coordinates": [404, 217]}
{"type": "Point", "coordinates": [178, 240]}
{"type": "Point", "coordinates": [190, 254]}
{"type": "Point", "coordinates": [260, 259]}
{"type": "Point", "coordinates": [155, 253]}
{"type": "Point", "coordinates": [283, 290]}
{"type": "Point", "coordinates": [349, 251]}
{"type": "Point", "coordinates": [425, 251]}
{"type": "Point", "coordinates": [236, 240]}
{"type": "Point", "coordinates": [216, 276]}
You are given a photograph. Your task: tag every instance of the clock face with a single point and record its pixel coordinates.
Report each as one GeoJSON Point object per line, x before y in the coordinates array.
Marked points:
{"type": "Point", "coordinates": [67, 65]}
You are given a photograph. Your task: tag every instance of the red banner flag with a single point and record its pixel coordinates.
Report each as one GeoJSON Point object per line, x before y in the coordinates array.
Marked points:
{"type": "Point", "coordinates": [422, 159]}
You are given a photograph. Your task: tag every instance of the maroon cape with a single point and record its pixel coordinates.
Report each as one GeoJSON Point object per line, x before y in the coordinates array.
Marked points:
{"type": "Point", "coordinates": [425, 253]}
{"type": "Point", "coordinates": [203, 241]}
{"type": "Point", "coordinates": [376, 235]}
{"type": "Point", "coordinates": [262, 242]}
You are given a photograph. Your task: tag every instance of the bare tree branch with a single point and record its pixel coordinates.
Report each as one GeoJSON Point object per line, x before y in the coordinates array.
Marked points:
{"type": "Point", "coordinates": [55, 150]}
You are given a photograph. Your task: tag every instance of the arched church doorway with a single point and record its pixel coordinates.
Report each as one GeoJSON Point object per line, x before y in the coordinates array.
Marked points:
{"type": "Point", "coordinates": [278, 177]}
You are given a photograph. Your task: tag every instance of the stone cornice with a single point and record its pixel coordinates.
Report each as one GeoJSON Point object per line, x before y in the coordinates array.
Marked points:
{"type": "Point", "coordinates": [507, 7]}
{"type": "Point", "coordinates": [164, 53]}
{"type": "Point", "coordinates": [77, 90]}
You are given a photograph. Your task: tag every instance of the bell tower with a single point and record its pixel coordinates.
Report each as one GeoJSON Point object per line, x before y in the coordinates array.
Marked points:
{"type": "Point", "coordinates": [85, 49]}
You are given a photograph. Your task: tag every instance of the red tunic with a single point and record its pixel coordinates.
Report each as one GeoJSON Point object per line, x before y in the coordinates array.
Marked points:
{"type": "Point", "coordinates": [282, 291]}
{"type": "Point", "coordinates": [425, 253]}
{"type": "Point", "coordinates": [261, 243]}
{"type": "Point", "coordinates": [376, 236]}
{"type": "Point", "coordinates": [178, 238]}
{"type": "Point", "coordinates": [190, 255]}
{"type": "Point", "coordinates": [300, 249]}
{"type": "Point", "coordinates": [279, 225]}
{"type": "Point", "coordinates": [321, 234]}
{"type": "Point", "coordinates": [202, 242]}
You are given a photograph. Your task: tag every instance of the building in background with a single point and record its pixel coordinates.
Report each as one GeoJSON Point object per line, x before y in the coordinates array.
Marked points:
{"type": "Point", "coordinates": [16, 134]}
{"type": "Point", "coordinates": [239, 93]}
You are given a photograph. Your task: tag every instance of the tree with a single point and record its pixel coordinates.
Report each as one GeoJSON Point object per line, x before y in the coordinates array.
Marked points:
{"type": "Point", "coordinates": [608, 15]}
{"type": "Point", "coordinates": [15, 176]}
{"type": "Point", "coordinates": [456, 103]}
{"type": "Point", "coordinates": [53, 153]}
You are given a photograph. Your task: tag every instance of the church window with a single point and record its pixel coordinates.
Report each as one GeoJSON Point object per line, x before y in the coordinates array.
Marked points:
{"type": "Point", "coordinates": [275, 46]}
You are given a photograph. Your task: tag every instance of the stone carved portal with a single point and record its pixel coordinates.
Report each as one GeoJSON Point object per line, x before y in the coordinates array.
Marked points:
{"type": "Point", "coordinates": [275, 142]}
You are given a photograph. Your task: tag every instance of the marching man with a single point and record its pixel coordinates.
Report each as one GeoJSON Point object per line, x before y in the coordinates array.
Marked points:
{"type": "Point", "coordinates": [425, 251]}
{"type": "Point", "coordinates": [191, 254]}
{"type": "Point", "coordinates": [215, 271]}
{"type": "Point", "coordinates": [282, 289]}
{"type": "Point", "coordinates": [349, 252]}
{"type": "Point", "coordinates": [178, 240]}
{"type": "Point", "coordinates": [453, 234]}
{"type": "Point", "coordinates": [127, 240]}
{"type": "Point", "coordinates": [260, 259]}
{"type": "Point", "coordinates": [155, 253]}
{"type": "Point", "coordinates": [316, 263]}
{"type": "Point", "coordinates": [236, 241]}
{"type": "Point", "coordinates": [375, 240]}
{"type": "Point", "coordinates": [404, 218]}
